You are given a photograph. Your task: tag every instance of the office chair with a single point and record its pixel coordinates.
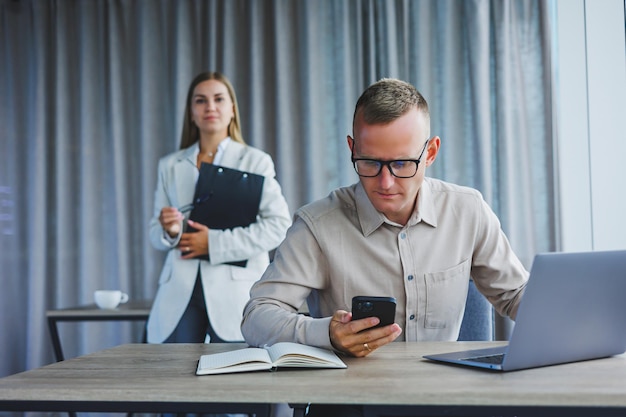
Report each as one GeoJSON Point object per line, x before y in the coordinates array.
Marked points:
{"type": "Point", "coordinates": [478, 319]}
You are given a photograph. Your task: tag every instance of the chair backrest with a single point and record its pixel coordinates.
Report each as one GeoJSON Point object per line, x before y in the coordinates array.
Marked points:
{"type": "Point", "coordinates": [478, 319]}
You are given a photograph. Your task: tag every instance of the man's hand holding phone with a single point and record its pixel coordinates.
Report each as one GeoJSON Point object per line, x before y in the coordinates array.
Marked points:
{"type": "Point", "coordinates": [369, 326]}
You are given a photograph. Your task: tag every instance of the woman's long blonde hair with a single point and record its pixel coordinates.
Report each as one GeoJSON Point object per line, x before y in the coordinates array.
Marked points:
{"type": "Point", "coordinates": [191, 133]}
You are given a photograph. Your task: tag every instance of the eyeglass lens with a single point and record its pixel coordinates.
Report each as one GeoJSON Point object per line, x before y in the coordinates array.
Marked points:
{"type": "Point", "coordinates": [371, 168]}
{"type": "Point", "coordinates": [402, 168]}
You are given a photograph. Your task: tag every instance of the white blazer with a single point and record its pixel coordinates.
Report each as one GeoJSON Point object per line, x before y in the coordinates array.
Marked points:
{"type": "Point", "coordinates": [226, 287]}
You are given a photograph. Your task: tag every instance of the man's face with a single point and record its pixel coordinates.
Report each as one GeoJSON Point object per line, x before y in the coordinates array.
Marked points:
{"type": "Point", "coordinates": [404, 138]}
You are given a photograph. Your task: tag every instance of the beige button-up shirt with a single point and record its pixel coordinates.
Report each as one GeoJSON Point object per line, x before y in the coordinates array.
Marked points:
{"type": "Point", "coordinates": [341, 246]}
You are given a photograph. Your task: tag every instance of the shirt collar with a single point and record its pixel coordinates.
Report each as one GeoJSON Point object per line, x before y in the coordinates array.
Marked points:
{"type": "Point", "coordinates": [219, 154]}
{"type": "Point", "coordinates": [371, 219]}
{"type": "Point", "coordinates": [425, 206]}
{"type": "Point", "coordinates": [191, 153]}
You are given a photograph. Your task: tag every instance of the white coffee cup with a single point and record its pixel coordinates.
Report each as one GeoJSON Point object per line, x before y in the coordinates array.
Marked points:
{"type": "Point", "coordinates": [109, 299]}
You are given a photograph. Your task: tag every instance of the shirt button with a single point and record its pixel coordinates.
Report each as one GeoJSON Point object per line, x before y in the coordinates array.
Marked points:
{"type": "Point", "coordinates": [412, 317]}
{"type": "Point", "coordinates": [402, 235]}
{"type": "Point", "coordinates": [410, 277]}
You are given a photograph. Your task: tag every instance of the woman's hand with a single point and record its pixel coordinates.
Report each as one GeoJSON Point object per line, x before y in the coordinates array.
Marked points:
{"type": "Point", "coordinates": [171, 220]}
{"type": "Point", "coordinates": [195, 243]}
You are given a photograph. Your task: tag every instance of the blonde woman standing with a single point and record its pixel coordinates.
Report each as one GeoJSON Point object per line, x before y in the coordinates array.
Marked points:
{"type": "Point", "coordinates": [198, 299]}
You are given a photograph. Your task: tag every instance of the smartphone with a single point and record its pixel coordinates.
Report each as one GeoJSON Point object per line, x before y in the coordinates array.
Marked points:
{"type": "Point", "coordinates": [382, 307]}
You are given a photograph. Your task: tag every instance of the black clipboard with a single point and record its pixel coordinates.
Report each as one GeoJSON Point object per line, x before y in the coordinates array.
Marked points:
{"type": "Point", "coordinates": [226, 198]}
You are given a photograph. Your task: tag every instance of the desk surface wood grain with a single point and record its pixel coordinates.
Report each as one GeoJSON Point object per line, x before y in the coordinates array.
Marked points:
{"type": "Point", "coordinates": [396, 374]}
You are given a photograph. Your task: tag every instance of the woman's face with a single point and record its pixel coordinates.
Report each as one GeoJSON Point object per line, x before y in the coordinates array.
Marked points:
{"type": "Point", "coordinates": [212, 108]}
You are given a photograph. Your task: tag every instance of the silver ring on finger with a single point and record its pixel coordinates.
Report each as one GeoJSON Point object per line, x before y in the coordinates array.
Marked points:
{"type": "Point", "coordinates": [366, 346]}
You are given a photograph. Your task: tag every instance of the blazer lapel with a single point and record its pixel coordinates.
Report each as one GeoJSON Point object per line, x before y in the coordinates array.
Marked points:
{"type": "Point", "coordinates": [233, 154]}
{"type": "Point", "coordinates": [186, 175]}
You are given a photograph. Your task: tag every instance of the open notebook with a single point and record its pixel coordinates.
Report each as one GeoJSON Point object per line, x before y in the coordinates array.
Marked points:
{"type": "Point", "coordinates": [269, 358]}
{"type": "Point", "coordinates": [573, 309]}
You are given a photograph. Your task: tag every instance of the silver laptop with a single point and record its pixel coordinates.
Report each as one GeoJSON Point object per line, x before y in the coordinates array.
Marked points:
{"type": "Point", "coordinates": [573, 309]}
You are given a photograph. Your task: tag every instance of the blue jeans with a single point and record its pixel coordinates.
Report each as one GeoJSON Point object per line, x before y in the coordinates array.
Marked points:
{"type": "Point", "coordinates": [194, 325]}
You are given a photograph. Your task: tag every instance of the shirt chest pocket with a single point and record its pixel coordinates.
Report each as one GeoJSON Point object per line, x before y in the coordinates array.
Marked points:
{"type": "Point", "coordinates": [446, 292]}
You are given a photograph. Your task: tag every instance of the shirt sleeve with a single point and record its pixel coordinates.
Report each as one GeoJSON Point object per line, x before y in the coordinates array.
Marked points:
{"type": "Point", "coordinates": [271, 314]}
{"type": "Point", "coordinates": [497, 272]}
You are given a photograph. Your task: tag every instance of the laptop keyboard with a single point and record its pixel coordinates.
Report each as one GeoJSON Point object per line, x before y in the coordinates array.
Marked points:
{"type": "Point", "coordinates": [493, 359]}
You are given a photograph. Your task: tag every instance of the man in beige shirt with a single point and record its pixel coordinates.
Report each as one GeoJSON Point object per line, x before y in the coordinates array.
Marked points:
{"type": "Point", "coordinates": [394, 233]}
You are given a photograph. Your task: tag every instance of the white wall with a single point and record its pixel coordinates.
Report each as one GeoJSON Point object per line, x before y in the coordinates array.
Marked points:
{"type": "Point", "coordinates": [591, 97]}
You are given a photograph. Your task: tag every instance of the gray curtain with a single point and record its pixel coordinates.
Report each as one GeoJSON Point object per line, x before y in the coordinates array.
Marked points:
{"type": "Point", "coordinates": [92, 94]}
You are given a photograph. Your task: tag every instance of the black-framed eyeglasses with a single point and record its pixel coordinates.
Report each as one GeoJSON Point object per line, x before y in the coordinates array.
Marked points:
{"type": "Point", "coordinates": [400, 168]}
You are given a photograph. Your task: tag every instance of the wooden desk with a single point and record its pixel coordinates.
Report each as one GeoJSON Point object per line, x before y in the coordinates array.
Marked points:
{"type": "Point", "coordinates": [130, 311]}
{"type": "Point", "coordinates": [160, 379]}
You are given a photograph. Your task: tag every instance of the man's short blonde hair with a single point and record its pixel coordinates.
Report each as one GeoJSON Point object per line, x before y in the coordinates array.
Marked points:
{"type": "Point", "coordinates": [388, 99]}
